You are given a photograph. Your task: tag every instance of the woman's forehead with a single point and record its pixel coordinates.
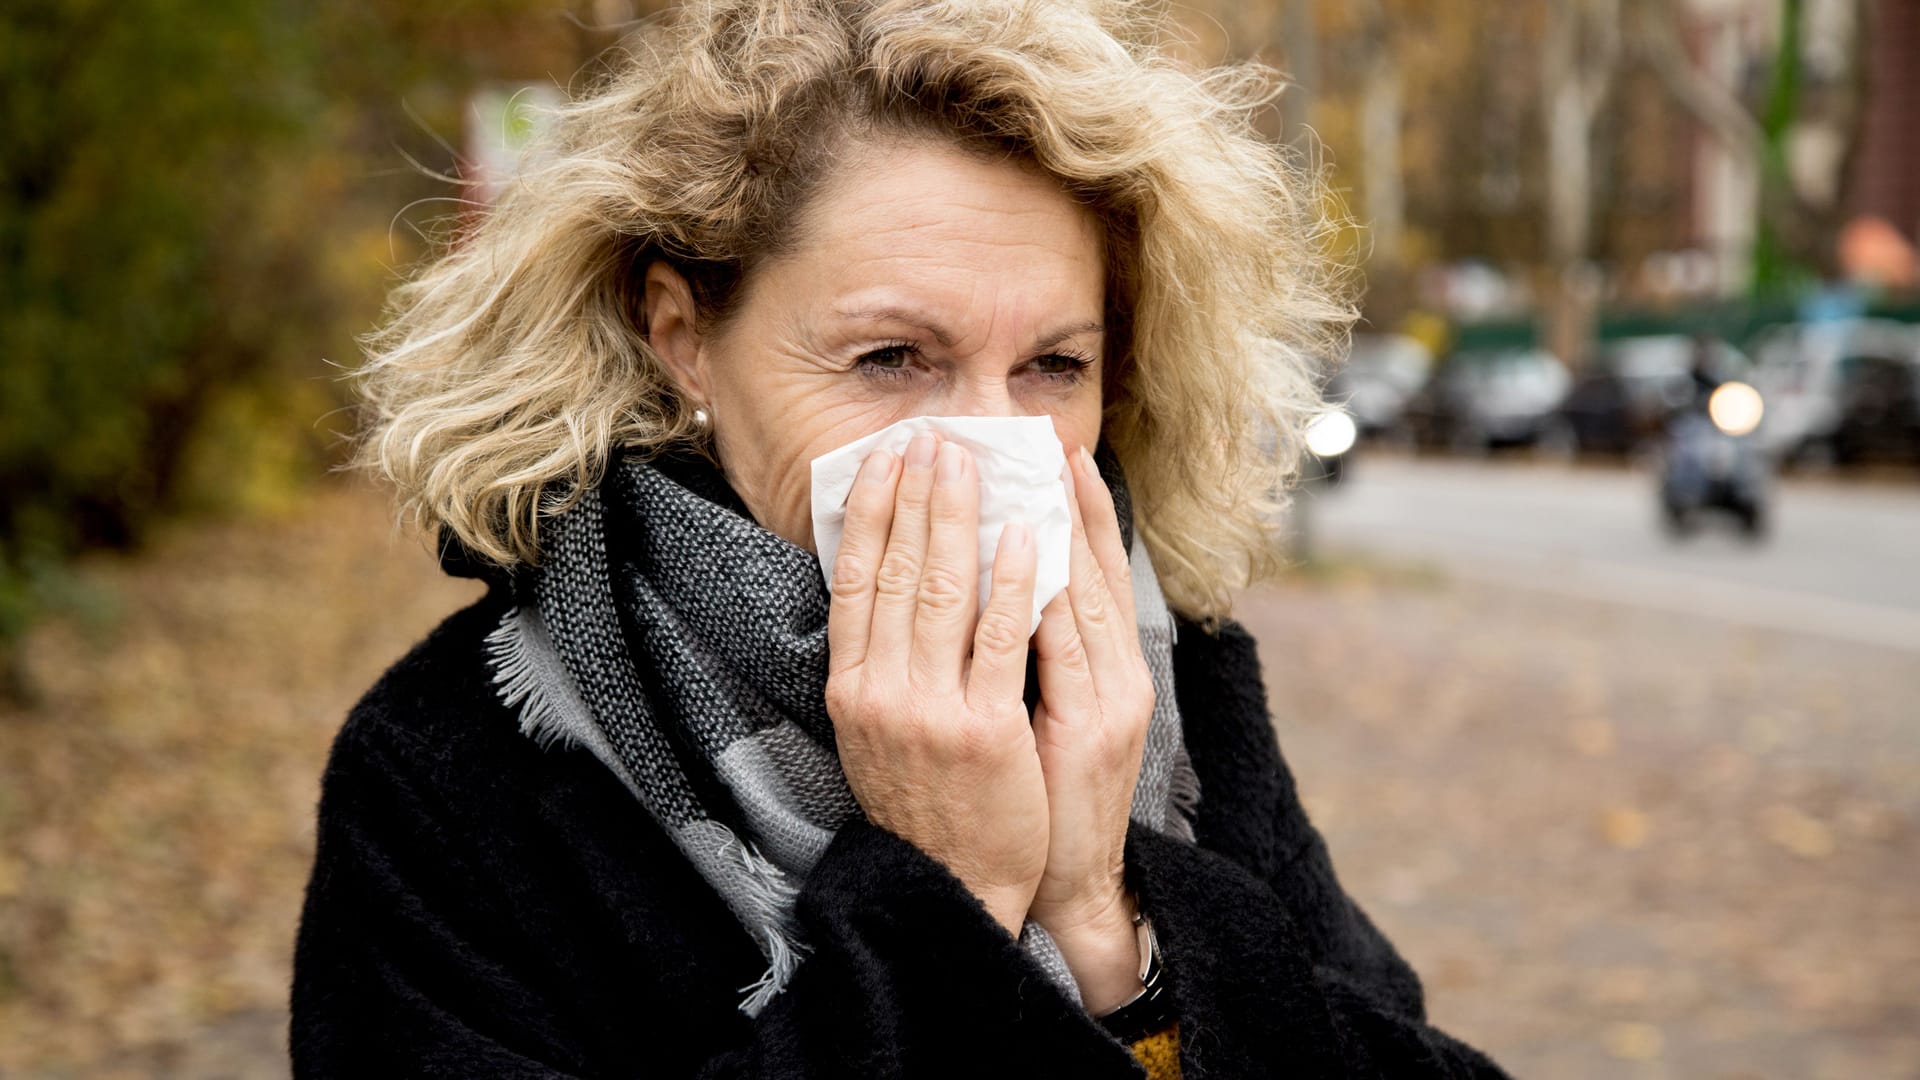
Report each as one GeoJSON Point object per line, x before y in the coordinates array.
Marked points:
{"type": "Point", "coordinates": [904, 191]}
{"type": "Point", "coordinates": [929, 236]}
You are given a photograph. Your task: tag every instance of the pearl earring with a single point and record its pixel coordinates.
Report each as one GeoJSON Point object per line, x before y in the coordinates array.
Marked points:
{"type": "Point", "coordinates": [700, 417]}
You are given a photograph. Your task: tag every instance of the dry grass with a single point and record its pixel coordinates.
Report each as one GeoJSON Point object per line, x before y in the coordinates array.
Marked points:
{"type": "Point", "coordinates": [157, 804]}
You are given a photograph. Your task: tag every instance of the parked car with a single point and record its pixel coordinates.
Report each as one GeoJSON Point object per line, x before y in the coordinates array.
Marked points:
{"type": "Point", "coordinates": [1382, 374]}
{"type": "Point", "coordinates": [1798, 368]}
{"type": "Point", "coordinates": [1879, 410]}
{"type": "Point", "coordinates": [1487, 398]}
{"type": "Point", "coordinates": [1620, 405]}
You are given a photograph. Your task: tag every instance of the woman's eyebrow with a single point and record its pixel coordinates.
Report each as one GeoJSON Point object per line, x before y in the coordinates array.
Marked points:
{"type": "Point", "coordinates": [1065, 332]}
{"type": "Point", "coordinates": [914, 319]}
{"type": "Point", "coordinates": [901, 315]}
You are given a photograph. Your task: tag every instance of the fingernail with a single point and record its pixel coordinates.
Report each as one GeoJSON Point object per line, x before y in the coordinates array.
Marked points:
{"type": "Point", "coordinates": [920, 451]}
{"type": "Point", "coordinates": [951, 459]}
{"type": "Point", "coordinates": [1017, 535]}
{"type": "Point", "coordinates": [875, 468]}
{"type": "Point", "coordinates": [1066, 477]}
{"type": "Point", "coordinates": [1086, 459]}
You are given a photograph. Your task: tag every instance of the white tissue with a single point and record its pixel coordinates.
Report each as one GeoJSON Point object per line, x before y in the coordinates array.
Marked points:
{"type": "Point", "coordinates": [1019, 461]}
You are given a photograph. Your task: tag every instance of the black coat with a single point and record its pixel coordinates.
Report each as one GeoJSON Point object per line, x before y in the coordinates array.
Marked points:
{"type": "Point", "coordinates": [482, 908]}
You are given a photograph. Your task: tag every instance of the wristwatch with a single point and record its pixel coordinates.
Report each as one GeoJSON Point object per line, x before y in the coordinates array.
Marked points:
{"type": "Point", "coordinates": [1151, 1009]}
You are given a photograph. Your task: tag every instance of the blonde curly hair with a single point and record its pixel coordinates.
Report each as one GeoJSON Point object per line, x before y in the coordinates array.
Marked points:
{"type": "Point", "coordinates": [512, 364]}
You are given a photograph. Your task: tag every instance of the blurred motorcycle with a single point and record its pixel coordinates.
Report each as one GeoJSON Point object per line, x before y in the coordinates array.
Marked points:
{"type": "Point", "coordinates": [1713, 463]}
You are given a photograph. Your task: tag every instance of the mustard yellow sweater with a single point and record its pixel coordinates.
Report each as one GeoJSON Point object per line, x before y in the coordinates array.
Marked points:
{"type": "Point", "coordinates": [1159, 1053]}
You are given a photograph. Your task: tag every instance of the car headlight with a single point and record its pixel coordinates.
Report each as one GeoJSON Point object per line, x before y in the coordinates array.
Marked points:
{"type": "Point", "coordinates": [1735, 408]}
{"type": "Point", "coordinates": [1331, 434]}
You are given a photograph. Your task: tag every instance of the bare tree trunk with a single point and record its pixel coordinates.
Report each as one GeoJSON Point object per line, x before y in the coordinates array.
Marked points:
{"type": "Point", "coordinates": [1382, 182]}
{"type": "Point", "coordinates": [1581, 54]}
{"type": "Point", "coordinates": [1386, 192]}
{"type": "Point", "coordinates": [1301, 46]}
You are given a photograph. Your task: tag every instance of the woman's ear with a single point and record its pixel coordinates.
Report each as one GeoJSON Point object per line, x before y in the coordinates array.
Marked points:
{"type": "Point", "coordinates": [672, 329]}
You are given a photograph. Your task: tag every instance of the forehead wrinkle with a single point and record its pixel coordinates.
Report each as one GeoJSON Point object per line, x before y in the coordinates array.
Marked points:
{"type": "Point", "coordinates": [863, 214]}
{"type": "Point", "coordinates": [948, 236]}
{"type": "Point", "coordinates": [1048, 341]}
{"type": "Point", "coordinates": [904, 315]}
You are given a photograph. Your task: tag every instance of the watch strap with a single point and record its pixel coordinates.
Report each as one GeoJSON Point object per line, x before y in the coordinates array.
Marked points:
{"type": "Point", "coordinates": [1151, 1009]}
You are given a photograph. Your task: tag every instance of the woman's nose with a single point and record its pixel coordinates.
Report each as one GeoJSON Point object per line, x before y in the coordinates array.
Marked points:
{"type": "Point", "coordinates": [985, 397]}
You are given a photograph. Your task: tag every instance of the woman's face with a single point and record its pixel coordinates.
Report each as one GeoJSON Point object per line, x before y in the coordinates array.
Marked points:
{"type": "Point", "coordinates": [928, 282]}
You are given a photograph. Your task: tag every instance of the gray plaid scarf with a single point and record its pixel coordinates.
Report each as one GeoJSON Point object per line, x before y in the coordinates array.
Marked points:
{"type": "Point", "coordinates": [686, 648]}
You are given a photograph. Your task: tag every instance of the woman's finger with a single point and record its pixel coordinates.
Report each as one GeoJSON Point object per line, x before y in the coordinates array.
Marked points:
{"type": "Point", "coordinates": [950, 579]}
{"type": "Point", "coordinates": [1066, 675]}
{"type": "Point", "coordinates": [897, 585]}
{"type": "Point", "coordinates": [999, 670]}
{"type": "Point", "coordinates": [857, 564]}
{"type": "Point", "coordinates": [1106, 632]}
{"type": "Point", "coordinates": [1103, 531]}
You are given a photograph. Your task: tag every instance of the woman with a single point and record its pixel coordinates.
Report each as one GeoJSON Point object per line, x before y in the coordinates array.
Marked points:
{"type": "Point", "coordinates": [668, 801]}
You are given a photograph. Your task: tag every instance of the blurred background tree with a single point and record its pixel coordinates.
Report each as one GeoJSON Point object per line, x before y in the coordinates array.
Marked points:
{"type": "Point", "coordinates": [199, 211]}
{"type": "Point", "coordinates": [128, 179]}
{"type": "Point", "coordinates": [196, 207]}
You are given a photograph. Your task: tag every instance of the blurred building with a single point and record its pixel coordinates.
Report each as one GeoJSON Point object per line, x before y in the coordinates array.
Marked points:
{"type": "Point", "coordinates": [1886, 178]}
{"type": "Point", "coordinates": [1850, 146]}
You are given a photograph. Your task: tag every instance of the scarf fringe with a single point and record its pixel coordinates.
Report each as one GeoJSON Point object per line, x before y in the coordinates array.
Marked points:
{"type": "Point", "coordinates": [786, 960]}
{"type": "Point", "coordinates": [769, 896]}
{"type": "Point", "coordinates": [1184, 792]}
{"type": "Point", "coordinates": [525, 684]}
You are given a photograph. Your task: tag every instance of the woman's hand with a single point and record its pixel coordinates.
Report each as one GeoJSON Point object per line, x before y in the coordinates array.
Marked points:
{"type": "Point", "coordinates": [936, 746]}
{"type": "Point", "coordinates": [1096, 700]}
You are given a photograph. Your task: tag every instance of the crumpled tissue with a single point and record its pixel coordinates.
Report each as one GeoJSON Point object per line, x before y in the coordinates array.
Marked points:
{"type": "Point", "coordinates": [1019, 461]}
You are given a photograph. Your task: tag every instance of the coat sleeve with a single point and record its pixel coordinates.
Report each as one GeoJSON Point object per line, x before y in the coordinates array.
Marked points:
{"type": "Point", "coordinates": [404, 965]}
{"type": "Point", "coordinates": [910, 977]}
{"type": "Point", "coordinates": [1276, 968]}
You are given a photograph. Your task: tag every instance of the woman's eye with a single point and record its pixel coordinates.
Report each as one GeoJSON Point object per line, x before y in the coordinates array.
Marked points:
{"type": "Point", "coordinates": [1061, 365]}
{"type": "Point", "coordinates": [888, 360]}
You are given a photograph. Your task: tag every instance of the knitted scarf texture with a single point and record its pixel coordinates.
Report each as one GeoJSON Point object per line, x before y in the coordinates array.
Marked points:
{"type": "Point", "coordinates": [685, 646]}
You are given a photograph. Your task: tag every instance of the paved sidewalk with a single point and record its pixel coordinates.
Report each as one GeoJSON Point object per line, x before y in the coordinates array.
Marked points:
{"type": "Point", "coordinates": [1615, 841]}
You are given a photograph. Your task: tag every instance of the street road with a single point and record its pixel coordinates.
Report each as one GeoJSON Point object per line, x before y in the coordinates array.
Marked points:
{"type": "Point", "coordinates": [1841, 560]}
